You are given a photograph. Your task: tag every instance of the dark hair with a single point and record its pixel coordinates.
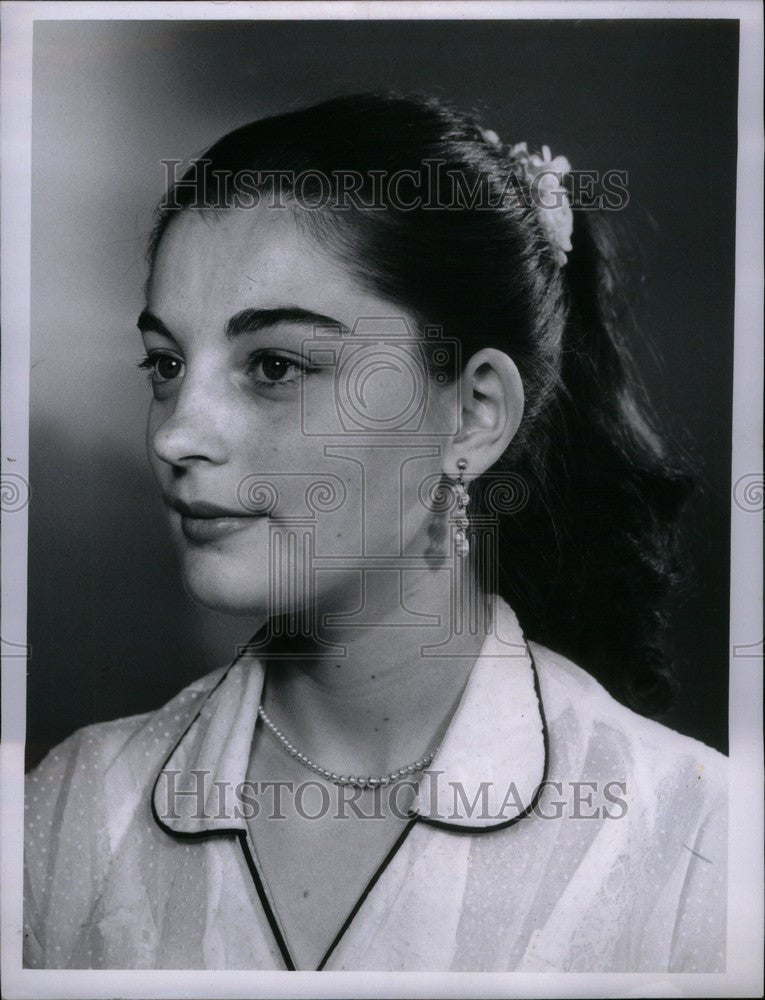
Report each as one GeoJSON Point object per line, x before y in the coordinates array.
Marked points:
{"type": "Point", "coordinates": [588, 559]}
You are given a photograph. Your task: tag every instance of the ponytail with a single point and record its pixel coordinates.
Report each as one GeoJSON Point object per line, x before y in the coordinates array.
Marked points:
{"type": "Point", "coordinates": [592, 559]}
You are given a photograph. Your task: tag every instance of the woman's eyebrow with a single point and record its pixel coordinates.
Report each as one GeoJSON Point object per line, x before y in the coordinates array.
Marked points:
{"type": "Point", "coordinates": [255, 320]}
{"type": "Point", "coordinates": [251, 321]}
{"type": "Point", "coordinates": [149, 323]}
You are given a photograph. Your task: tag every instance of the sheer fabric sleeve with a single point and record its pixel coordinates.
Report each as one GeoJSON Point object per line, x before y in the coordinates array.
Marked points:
{"type": "Point", "coordinates": [699, 938]}
{"type": "Point", "coordinates": [47, 789]}
{"type": "Point", "coordinates": [67, 848]}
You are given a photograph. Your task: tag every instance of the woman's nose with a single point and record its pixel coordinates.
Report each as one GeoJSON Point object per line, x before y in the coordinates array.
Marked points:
{"type": "Point", "coordinates": [192, 432]}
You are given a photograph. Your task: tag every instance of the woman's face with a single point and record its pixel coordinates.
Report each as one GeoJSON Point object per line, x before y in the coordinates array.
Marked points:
{"type": "Point", "coordinates": [293, 432]}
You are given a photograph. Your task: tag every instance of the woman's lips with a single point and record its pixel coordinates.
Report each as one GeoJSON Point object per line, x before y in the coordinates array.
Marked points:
{"type": "Point", "coordinates": [209, 529]}
{"type": "Point", "coordinates": [202, 521]}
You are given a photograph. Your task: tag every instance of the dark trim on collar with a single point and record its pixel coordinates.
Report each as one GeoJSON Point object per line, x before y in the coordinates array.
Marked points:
{"type": "Point", "coordinates": [197, 834]}
{"type": "Point", "coordinates": [273, 923]}
{"type": "Point", "coordinates": [241, 836]}
{"type": "Point", "coordinates": [369, 886]}
{"type": "Point", "coordinates": [279, 938]}
{"type": "Point", "coordinates": [460, 827]}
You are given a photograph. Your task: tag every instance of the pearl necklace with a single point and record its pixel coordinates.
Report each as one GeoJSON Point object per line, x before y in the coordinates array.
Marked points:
{"type": "Point", "coordinates": [347, 779]}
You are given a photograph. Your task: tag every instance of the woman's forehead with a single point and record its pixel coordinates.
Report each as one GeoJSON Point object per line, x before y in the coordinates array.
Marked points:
{"type": "Point", "coordinates": [212, 264]}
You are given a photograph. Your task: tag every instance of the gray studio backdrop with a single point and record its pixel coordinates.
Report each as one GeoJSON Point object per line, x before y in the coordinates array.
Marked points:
{"type": "Point", "coordinates": [111, 630]}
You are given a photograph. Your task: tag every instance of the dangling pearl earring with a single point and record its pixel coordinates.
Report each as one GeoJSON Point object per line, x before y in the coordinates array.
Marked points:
{"type": "Point", "coordinates": [461, 543]}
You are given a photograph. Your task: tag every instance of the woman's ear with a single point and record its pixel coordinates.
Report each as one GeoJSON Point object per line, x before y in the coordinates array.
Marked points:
{"type": "Point", "coordinates": [491, 406]}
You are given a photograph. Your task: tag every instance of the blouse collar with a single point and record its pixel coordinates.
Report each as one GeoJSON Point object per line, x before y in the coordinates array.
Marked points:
{"type": "Point", "coordinates": [487, 773]}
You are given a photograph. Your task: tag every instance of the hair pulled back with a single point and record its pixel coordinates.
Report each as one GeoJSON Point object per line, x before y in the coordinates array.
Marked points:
{"type": "Point", "coordinates": [588, 558]}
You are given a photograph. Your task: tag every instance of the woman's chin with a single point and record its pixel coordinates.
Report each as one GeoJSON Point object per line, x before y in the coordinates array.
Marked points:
{"type": "Point", "coordinates": [229, 595]}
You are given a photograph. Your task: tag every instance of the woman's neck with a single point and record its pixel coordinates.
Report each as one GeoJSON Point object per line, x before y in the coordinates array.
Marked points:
{"type": "Point", "coordinates": [386, 700]}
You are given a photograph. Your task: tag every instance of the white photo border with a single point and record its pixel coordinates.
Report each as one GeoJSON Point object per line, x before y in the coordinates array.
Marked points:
{"type": "Point", "coordinates": [745, 897]}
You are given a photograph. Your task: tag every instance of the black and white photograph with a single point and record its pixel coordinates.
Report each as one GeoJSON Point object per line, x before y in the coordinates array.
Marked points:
{"type": "Point", "coordinates": [382, 499]}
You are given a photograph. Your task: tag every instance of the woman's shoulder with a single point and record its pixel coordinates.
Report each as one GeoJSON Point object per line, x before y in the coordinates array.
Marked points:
{"type": "Point", "coordinates": [579, 709]}
{"type": "Point", "coordinates": [143, 737]}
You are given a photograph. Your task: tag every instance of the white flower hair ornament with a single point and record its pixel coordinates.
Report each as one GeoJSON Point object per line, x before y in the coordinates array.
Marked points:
{"type": "Point", "coordinates": [543, 174]}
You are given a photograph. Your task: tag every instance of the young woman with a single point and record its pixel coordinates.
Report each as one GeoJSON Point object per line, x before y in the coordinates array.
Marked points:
{"type": "Point", "coordinates": [393, 416]}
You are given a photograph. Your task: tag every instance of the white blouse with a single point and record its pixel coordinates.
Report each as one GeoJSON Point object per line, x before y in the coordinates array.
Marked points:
{"type": "Point", "coordinates": [554, 830]}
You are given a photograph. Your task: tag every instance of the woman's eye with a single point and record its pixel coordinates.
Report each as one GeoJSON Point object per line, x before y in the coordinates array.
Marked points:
{"type": "Point", "coordinates": [269, 370]}
{"type": "Point", "coordinates": [265, 368]}
{"type": "Point", "coordinates": [161, 367]}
